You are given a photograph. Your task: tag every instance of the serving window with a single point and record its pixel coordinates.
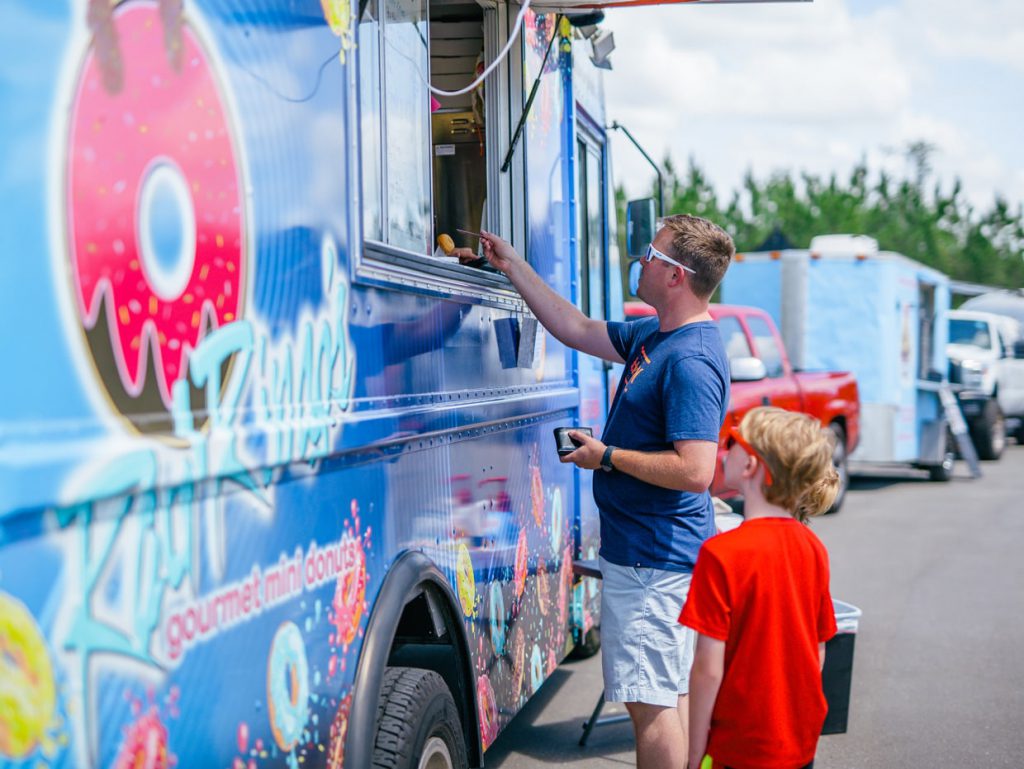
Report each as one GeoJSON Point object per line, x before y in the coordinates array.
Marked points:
{"type": "Point", "coordinates": [429, 162]}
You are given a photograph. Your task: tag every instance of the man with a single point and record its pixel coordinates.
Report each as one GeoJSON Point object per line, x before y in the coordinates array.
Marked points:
{"type": "Point", "coordinates": [654, 465]}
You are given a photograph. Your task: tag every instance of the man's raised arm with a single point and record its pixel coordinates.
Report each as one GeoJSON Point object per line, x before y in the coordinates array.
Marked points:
{"type": "Point", "coordinates": [558, 315]}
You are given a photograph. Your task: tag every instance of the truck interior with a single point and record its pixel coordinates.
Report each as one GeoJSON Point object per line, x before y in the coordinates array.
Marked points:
{"type": "Point", "coordinates": [458, 123]}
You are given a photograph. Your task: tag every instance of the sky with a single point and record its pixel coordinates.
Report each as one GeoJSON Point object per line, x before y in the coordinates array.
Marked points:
{"type": "Point", "coordinates": [819, 86]}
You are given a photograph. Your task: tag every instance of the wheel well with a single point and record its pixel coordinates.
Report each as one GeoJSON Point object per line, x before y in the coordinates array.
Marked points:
{"type": "Point", "coordinates": [841, 422]}
{"type": "Point", "coordinates": [414, 623]}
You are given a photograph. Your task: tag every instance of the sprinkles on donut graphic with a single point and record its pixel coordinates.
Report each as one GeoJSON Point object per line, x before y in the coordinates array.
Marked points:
{"type": "Point", "coordinates": [154, 211]}
{"type": "Point", "coordinates": [288, 686]}
{"type": "Point", "coordinates": [522, 555]}
{"type": "Point", "coordinates": [145, 744]}
{"type": "Point", "coordinates": [537, 496]}
{"type": "Point", "coordinates": [27, 693]}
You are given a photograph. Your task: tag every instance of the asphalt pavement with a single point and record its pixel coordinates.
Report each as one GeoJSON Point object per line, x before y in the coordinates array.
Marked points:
{"type": "Point", "coordinates": [938, 675]}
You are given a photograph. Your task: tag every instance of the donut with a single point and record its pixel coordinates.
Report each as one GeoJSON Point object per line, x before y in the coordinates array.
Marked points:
{"type": "Point", "coordinates": [446, 243]}
{"type": "Point", "coordinates": [27, 692]}
{"type": "Point", "coordinates": [350, 592]}
{"type": "Point", "coordinates": [339, 730]}
{"type": "Point", "coordinates": [497, 618]}
{"type": "Point", "coordinates": [556, 520]}
{"type": "Point", "coordinates": [465, 581]}
{"type": "Point", "coordinates": [287, 686]}
{"type": "Point", "coordinates": [155, 214]}
{"type": "Point", "coordinates": [543, 588]}
{"type": "Point", "coordinates": [537, 496]}
{"type": "Point", "coordinates": [488, 710]}
{"type": "Point", "coordinates": [518, 660]}
{"type": "Point", "coordinates": [536, 669]}
{"type": "Point", "coordinates": [521, 567]}
{"type": "Point", "coordinates": [564, 588]}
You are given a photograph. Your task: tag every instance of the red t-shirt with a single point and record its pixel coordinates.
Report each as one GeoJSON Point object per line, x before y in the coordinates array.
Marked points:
{"type": "Point", "coordinates": [763, 589]}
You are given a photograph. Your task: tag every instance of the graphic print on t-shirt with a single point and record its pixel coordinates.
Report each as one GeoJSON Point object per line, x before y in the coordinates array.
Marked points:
{"type": "Point", "coordinates": [635, 368]}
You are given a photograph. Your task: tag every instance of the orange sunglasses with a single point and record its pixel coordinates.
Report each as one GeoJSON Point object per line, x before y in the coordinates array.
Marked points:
{"type": "Point", "coordinates": [733, 436]}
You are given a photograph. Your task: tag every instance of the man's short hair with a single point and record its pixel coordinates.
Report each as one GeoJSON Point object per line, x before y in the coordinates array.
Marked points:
{"type": "Point", "coordinates": [702, 246]}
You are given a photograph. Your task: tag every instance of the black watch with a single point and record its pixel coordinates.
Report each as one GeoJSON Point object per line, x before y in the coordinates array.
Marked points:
{"type": "Point", "coordinates": [606, 459]}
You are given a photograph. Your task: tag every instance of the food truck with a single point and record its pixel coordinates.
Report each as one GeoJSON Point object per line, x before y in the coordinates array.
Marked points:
{"type": "Point", "coordinates": [844, 304]}
{"type": "Point", "coordinates": [277, 478]}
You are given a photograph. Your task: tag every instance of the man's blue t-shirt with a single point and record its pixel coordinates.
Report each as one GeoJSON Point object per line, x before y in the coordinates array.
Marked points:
{"type": "Point", "coordinates": [675, 388]}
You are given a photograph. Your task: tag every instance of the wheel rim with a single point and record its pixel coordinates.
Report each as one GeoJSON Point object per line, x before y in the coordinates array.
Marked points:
{"type": "Point", "coordinates": [436, 755]}
{"type": "Point", "coordinates": [949, 458]}
{"type": "Point", "coordinates": [998, 435]}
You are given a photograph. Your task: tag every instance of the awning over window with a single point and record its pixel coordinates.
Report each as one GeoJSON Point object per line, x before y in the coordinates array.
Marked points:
{"type": "Point", "coordinates": [542, 6]}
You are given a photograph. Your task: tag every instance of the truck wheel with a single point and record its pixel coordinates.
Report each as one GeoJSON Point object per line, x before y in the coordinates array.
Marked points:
{"type": "Point", "coordinates": [988, 432]}
{"type": "Point", "coordinates": [418, 725]}
{"type": "Point", "coordinates": [588, 647]}
{"type": "Point", "coordinates": [944, 472]}
{"type": "Point", "coordinates": [840, 460]}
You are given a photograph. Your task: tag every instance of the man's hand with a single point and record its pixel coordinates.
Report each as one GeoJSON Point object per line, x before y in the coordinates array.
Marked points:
{"type": "Point", "coordinates": [499, 253]}
{"type": "Point", "coordinates": [588, 455]}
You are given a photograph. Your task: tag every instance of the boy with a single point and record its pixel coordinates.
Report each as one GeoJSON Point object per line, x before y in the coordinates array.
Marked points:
{"type": "Point", "coordinates": [760, 603]}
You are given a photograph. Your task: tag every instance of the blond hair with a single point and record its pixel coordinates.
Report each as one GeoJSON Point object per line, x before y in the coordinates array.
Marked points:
{"type": "Point", "coordinates": [702, 246]}
{"type": "Point", "coordinates": [798, 453]}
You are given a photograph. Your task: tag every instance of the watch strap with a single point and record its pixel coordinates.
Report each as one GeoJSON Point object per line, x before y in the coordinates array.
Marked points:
{"type": "Point", "coordinates": [606, 459]}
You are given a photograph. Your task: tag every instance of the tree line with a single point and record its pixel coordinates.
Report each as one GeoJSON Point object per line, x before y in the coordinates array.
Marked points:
{"type": "Point", "coordinates": [915, 216]}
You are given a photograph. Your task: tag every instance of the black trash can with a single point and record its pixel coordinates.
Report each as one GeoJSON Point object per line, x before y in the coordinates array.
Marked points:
{"type": "Point", "coordinates": [837, 674]}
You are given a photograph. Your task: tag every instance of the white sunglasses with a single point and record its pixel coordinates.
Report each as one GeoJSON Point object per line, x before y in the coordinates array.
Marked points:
{"type": "Point", "coordinates": [653, 253]}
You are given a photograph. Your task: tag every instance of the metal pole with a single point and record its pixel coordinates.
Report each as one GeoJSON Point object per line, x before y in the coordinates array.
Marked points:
{"type": "Point", "coordinates": [616, 126]}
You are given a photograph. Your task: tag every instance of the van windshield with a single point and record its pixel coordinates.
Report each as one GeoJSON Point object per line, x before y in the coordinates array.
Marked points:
{"type": "Point", "coordinates": [973, 332]}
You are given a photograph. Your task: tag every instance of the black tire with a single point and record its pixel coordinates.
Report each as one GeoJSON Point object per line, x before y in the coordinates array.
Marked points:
{"type": "Point", "coordinates": [418, 725]}
{"type": "Point", "coordinates": [841, 461]}
{"type": "Point", "coordinates": [588, 647]}
{"type": "Point", "coordinates": [943, 473]}
{"type": "Point", "coordinates": [988, 432]}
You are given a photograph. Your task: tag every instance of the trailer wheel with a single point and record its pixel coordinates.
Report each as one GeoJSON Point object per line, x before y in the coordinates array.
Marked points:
{"type": "Point", "coordinates": [588, 647]}
{"type": "Point", "coordinates": [418, 725]}
{"type": "Point", "coordinates": [944, 472]}
{"type": "Point", "coordinates": [988, 432]}
{"type": "Point", "coordinates": [840, 460]}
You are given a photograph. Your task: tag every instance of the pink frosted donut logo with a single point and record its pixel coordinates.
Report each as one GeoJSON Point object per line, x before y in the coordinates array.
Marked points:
{"type": "Point", "coordinates": [154, 211]}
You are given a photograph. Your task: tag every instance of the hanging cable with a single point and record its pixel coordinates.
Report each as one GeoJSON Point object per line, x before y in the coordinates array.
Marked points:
{"type": "Point", "coordinates": [493, 64]}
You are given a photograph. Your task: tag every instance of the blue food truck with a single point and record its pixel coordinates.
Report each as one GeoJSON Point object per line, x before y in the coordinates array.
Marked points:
{"type": "Point", "coordinates": [844, 304]}
{"type": "Point", "coordinates": [277, 478]}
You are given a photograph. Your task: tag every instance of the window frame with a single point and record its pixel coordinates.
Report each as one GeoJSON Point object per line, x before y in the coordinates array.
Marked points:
{"type": "Point", "coordinates": [381, 264]}
{"type": "Point", "coordinates": [779, 348]}
{"type": "Point", "coordinates": [734, 319]}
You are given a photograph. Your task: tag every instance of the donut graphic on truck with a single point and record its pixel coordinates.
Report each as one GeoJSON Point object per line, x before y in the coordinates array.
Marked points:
{"type": "Point", "coordinates": [154, 207]}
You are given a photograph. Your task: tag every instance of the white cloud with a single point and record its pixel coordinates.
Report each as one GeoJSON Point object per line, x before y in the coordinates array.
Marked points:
{"type": "Point", "coordinates": [813, 87]}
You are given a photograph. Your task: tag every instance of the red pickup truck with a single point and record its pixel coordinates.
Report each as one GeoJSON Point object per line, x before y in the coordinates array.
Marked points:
{"type": "Point", "coordinates": [763, 376]}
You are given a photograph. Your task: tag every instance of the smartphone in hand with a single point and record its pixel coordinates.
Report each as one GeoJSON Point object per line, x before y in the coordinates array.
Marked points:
{"type": "Point", "coordinates": [564, 443]}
